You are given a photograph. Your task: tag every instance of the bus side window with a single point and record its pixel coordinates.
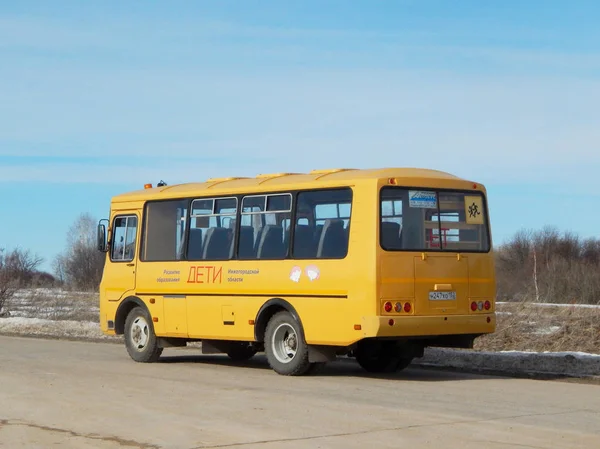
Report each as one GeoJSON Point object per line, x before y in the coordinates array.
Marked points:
{"type": "Point", "coordinates": [266, 215]}
{"type": "Point", "coordinates": [164, 230]}
{"type": "Point", "coordinates": [211, 234]}
{"type": "Point", "coordinates": [124, 237]}
{"type": "Point", "coordinates": [327, 235]}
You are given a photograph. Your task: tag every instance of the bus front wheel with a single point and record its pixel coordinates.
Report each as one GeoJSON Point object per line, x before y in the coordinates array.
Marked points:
{"type": "Point", "coordinates": [285, 348]}
{"type": "Point", "coordinates": [140, 339]}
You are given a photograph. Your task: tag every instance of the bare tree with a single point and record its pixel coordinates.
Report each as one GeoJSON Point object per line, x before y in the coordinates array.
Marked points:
{"type": "Point", "coordinates": [21, 265]}
{"type": "Point", "coordinates": [59, 268]}
{"type": "Point", "coordinates": [18, 268]}
{"type": "Point", "coordinates": [81, 264]}
{"type": "Point", "coordinates": [7, 285]}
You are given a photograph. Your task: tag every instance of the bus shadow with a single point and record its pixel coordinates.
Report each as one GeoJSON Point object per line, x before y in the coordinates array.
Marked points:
{"type": "Point", "coordinates": [342, 367]}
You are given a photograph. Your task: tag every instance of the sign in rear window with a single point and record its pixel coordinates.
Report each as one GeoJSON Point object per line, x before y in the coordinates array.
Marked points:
{"type": "Point", "coordinates": [422, 199]}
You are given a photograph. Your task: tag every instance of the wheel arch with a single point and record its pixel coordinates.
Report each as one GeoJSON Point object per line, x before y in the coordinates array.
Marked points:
{"type": "Point", "coordinates": [126, 306]}
{"type": "Point", "coordinates": [267, 310]}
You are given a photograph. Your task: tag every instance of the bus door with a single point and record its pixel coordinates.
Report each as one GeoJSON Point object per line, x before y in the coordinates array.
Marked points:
{"type": "Point", "coordinates": [122, 266]}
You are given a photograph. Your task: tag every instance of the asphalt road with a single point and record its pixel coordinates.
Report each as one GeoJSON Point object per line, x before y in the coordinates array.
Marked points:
{"type": "Point", "coordinates": [91, 395]}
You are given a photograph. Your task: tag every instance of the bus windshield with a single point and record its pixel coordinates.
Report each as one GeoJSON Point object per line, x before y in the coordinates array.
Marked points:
{"type": "Point", "coordinates": [433, 220]}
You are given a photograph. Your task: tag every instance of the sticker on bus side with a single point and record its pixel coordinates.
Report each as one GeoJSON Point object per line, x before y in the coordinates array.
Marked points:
{"type": "Point", "coordinates": [313, 272]}
{"type": "Point", "coordinates": [296, 273]}
{"type": "Point", "coordinates": [422, 199]}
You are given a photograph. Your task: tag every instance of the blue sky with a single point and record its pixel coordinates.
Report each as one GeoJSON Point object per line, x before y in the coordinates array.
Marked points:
{"type": "Point", "coordinates": [99, 98]}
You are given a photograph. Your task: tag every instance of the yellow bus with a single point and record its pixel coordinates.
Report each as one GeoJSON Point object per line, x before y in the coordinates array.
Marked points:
{"type": "Point", "coordinates": [372, 264]}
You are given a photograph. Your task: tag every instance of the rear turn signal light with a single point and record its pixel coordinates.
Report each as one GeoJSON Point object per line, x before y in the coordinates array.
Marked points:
{"type": "Point", "coordinates": [407, 307]}
{"type": "Point", "coordinates": [388, 307]}
{"type": "Point", "coordinates": [487, 305]}
{"type": "Point", "coordinates": [474, 306]}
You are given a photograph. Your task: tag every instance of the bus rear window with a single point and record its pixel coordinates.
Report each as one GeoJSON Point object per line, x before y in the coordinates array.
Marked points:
{"type": "Point", "coordinates": [430, 220]}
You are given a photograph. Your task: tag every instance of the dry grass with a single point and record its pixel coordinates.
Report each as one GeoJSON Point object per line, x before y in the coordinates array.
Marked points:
{"type": "Point", "coordinates": [525, 326]}
{"type": "Point", "coordinates": [55, 305]}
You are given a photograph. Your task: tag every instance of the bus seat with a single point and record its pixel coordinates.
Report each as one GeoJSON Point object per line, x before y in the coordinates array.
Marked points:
{"type": "Point", "coordinates": [271, 243]}
{"type": "Point", "coordinates": [286, 234]}
{"type": "Point", "coordinates": [333, 242]}
{"type": "Point", "coordinates": [390, 235]}
{"type": "Point", "coordinates": [230, 241]}
{"type": "Point", "coordinates": [246, 245]}
{"type": "Point", "coordinates": [231, 233]}
{"type": "Point", "coordinates": [195, 244]}
{"type": "Point", "coordinates": [257, 236]}
{"type": "Point", "coordinates": [318, 232]}
{"type": "Point", "coordinates": [216, 246]}
{"type": "Point", "coordinates": [304, 244]}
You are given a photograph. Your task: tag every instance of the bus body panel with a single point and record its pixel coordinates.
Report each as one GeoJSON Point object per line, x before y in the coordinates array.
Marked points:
{"type": "Point", "coordinates": [339, 301]}
{"type": "Point", "coordinates": [429, 326]}
{"type": "Point", "coordinates": [437, 276]}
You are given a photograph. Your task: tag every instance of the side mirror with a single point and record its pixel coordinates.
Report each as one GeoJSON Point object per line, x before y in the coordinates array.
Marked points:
{"type": "Point", "coordinates": [101, 238]}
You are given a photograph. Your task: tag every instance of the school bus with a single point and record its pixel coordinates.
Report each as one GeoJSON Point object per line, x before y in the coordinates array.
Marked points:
{"type": "Point", "coordinates": [371, 264]}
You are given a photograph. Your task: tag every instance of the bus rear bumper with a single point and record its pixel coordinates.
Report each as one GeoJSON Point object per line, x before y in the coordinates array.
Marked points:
{"type": "Point", "coordinates": [418, 326]}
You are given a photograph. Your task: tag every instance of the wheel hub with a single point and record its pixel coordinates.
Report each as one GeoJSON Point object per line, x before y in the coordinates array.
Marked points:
{"type": "Point", "coordinates": [285, 343]}
{"type": "Point", "coordinates": [139, 333]}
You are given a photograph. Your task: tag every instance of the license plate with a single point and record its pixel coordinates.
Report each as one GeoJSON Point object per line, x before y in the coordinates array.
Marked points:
{"type": "Point", "coordinates": [442, 296]}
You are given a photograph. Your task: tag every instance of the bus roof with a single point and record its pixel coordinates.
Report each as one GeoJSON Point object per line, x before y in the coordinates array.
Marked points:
{"type": "Point", "coordinates": [287, 181]}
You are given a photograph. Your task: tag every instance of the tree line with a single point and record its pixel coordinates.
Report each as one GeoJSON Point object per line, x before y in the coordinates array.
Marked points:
{"type": "Point", "coordinates": [549, 266]}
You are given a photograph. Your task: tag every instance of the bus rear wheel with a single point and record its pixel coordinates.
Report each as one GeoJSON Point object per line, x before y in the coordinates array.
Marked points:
{"type": "Point", "coordinates": [285, 348]}
{"type": "Point", "coordinates": [140, 339]}
{"type": "Point", "coordinates": [381, 358]}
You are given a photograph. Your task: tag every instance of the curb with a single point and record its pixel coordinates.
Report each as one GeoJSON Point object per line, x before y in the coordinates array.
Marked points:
{"type": "Point", "coordinates": [521, 364]}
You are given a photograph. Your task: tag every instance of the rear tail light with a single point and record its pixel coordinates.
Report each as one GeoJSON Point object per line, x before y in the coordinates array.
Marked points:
{"type": "Point", "coordinates": [407, 307]}
{"type": "Point", "coordinates": [474, 306]}
{"type": "Point", "coordinates": [388, 307]}
{"type": "Point", "coordinates": [487, 305]}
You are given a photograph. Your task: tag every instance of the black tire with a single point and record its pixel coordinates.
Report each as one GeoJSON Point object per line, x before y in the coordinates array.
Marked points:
{"type": "Point", "coordinates": [381, 359]}
{"type": "Point", "coordinates": [240, 352]}
{"type": "Point", "coordinates": [283, 329]}
{"type": "Point", "coordinates": [140, 339]}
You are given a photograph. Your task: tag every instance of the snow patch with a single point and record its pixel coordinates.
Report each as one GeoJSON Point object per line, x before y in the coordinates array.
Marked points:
{"type": "Point", "coordinates": [52, 328]}
{"type": "Point", "coordinates": [575, 364]}
{"type": "Point", "coordinates": [545, 304]}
